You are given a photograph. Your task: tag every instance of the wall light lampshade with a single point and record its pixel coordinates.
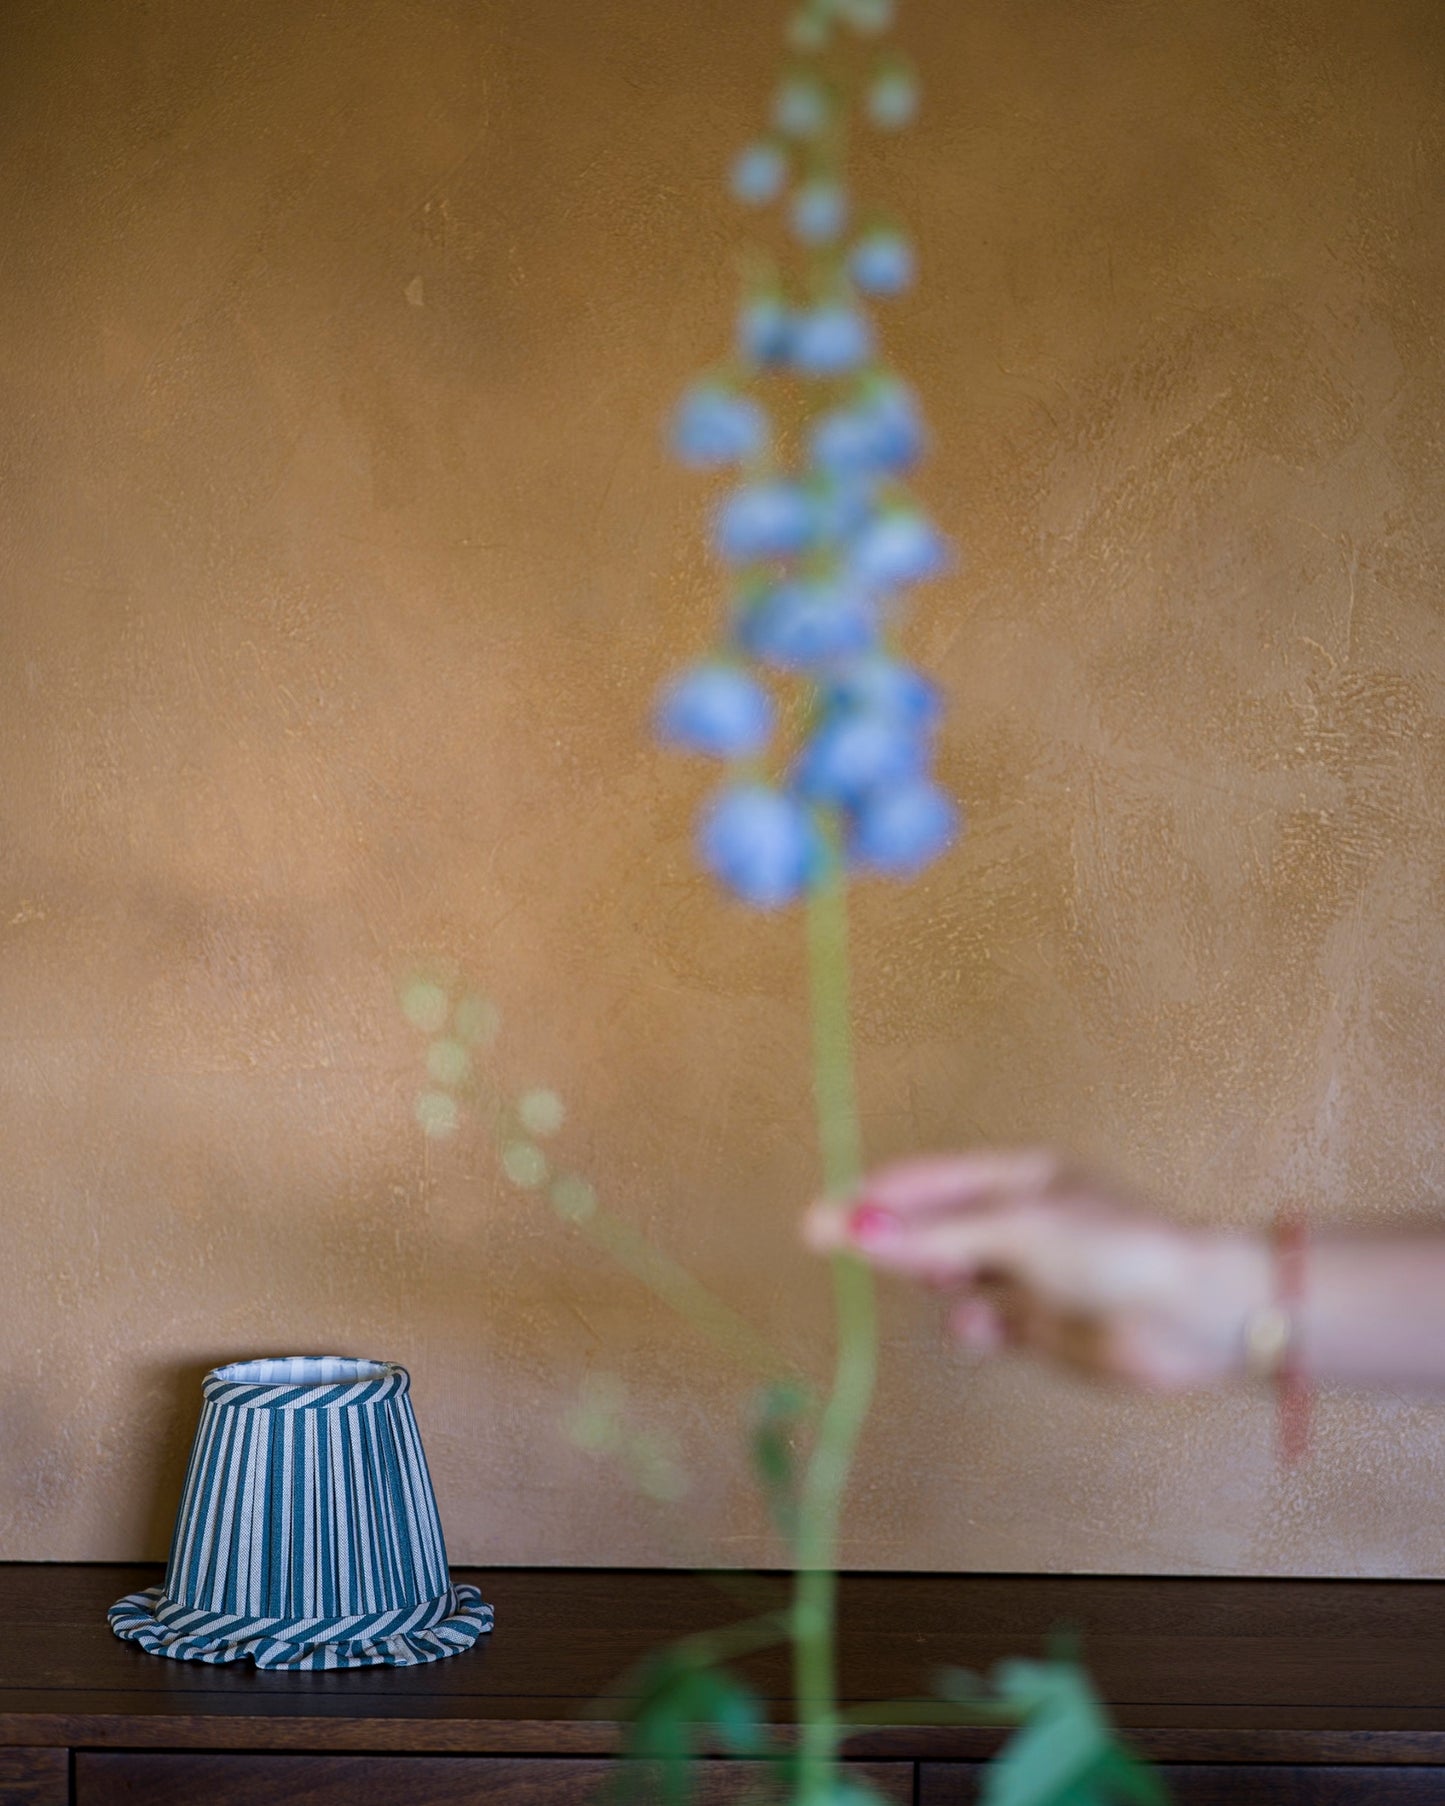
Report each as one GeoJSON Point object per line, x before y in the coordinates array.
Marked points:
{"type": "Point", "coordinates": [307, 1535]}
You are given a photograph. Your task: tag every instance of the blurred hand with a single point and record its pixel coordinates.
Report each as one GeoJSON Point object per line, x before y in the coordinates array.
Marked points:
{"type": "Point", "coordinates": [1040, 1256]}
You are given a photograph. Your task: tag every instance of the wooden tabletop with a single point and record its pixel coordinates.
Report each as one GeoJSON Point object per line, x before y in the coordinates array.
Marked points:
{"type": "Point", "coordinates": [1196, 1670]}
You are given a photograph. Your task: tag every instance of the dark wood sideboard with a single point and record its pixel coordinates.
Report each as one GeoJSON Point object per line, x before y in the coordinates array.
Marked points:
{"type": "Point", "coordinates": [1326, 1692]}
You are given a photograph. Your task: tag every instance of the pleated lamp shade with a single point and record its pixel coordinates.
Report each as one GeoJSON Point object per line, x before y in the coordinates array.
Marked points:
{"type": "Point", "coordinates": [307, 1535]}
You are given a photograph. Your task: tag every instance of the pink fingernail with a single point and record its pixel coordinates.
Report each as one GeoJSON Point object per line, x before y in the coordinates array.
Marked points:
{"type": "Point", "coordinates": [870, 1223]}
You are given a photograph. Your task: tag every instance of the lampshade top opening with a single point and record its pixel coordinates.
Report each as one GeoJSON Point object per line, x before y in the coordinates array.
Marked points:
{"type": "Point", "coordinates": [303, 1370]}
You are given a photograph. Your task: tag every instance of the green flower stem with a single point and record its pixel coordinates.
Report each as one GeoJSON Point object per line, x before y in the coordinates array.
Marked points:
{"type": "Point", "coordinates": [834, 1090]}
{"type": "Point", "coordinates": [826, 1478]}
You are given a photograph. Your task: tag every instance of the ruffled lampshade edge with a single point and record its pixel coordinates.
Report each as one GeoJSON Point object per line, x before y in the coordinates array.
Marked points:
{"type": "Point", "coordinates": [364, 1642]}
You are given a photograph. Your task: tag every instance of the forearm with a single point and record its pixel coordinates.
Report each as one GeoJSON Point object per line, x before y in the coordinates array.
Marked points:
{"type": "Point", "coordinates": [1370, 1311]}
{"type": "Point", "coordinates": [1373, 1312]}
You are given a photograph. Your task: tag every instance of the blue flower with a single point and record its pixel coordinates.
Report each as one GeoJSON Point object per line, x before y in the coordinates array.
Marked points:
{"type": "Point", "coordinates": [857, 752]}
{"type": "Point", "coordinates": [901, 829]}
{"type": "Point", "coordinates": [820, 211]}
{"type": "Point", "coordinates": [716, 709]}
{"type": "Point", "coordinates": [897, 548]}
{"type": "Point", "coordinates": [765, 520]}
{"type": "Point", "coordinates": [842, 443]}
{"type": "Point", "coordinates": [883, 686]}
{"type": "Point", "coordinates": [880, 434]}
{"type": "Point", "coordinates": [882, 263]}
{"type": "Point", "coordinates": [761, 844]}
{"type": "Point", "coordinates": [893, 98]}
{"type": "Point", "coordinates": [822, 542]}
{"type": "Point", "coordinates": [715, 426]}
{"type": "Point", "coordinates": [801, 108]}
{"type": "Point", "coordinates": [765, 330]}
{"type": "Point", "coordinates": [845, 504]}
{"type": "Point", "coordinates": [899, 431]}
{"type": "Point", "coordinates": [831, 340]}
{"type": "Point", "coordinates": [758, 174]}
{"type": "Point", "coordinates": [808, 622]}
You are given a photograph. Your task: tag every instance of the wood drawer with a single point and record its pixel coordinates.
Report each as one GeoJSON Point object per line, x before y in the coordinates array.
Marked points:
{"type": "Point", "coordinates": [1235, 1784]}
{"type": "Point", "coordinates": [123, 1779]}
{"type": "Point", "coordinates": [34, 1777]}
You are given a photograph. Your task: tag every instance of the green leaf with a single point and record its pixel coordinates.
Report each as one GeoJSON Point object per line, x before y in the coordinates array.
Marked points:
{"type": "Point", "coordinates": [734, 1712]}
{"type": "Point", "coordinates": [677, 1701]}
{"type": "Point", "coordinates": [849, 1792]}
{"type": "Point", "coordinates": [1125, 1778]}
{"type": "Point", "coordinates": [1066, 1753]}
{"type": "Point", "coordinates": [659, 1739]}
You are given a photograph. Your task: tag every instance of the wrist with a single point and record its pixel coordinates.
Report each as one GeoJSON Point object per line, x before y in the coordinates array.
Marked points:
{"type": "Point", "coordinates": [1253, 1333]}
{"type": "Point", "coordinates": [1269, 1281]}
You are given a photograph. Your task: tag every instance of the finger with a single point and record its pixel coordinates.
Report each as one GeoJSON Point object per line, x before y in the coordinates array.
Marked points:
{"type": "Point", "coordinates": [825, 1227]}
{"type": "Point", "coordinates": [957, 1181]}
{"type": "Point", "coordinates": [1074, 1339]}
{"type": "Point", "coordinates": [918, 1187]}
{"type": "Point", "coordinates": [978, 1325]}
{"type": "Point", "coordinates": [947, 1249]}
{"type": "Point", "coordinates": [1118, 1351]}
{"type": "Point", "coordinates": [1066, 1338]}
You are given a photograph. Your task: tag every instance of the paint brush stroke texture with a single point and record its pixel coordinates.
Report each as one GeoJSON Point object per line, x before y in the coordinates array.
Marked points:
{"type": "Point", "coordinates": [339, 549]}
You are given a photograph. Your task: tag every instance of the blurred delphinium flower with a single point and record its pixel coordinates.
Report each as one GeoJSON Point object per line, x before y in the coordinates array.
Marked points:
{"type": "Point", "coordinates": [828, 736]}
{"type": "Point", "coordinates": [818, 536]}
{"type": "Point", "coordinates": [826, 731]}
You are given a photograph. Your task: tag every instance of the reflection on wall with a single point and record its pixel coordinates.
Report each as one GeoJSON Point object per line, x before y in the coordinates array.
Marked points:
{"type": "Point", "coordinates": [340, 564]}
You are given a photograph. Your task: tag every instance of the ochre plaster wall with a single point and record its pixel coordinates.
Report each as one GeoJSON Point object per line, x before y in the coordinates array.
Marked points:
{"type": "Point", "coordinates": [340, 562]}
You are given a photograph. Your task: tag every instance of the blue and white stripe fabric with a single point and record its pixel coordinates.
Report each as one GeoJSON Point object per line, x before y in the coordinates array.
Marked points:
{"type": "Point", "coordinates": [307, 1535]}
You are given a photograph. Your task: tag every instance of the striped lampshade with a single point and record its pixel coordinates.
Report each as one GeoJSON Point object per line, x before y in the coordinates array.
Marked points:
{"type": "Point", "coordinates": [307, 1535]}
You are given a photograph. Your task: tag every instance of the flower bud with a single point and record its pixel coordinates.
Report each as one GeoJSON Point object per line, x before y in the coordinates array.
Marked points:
{"type": "Point", "coordinates": [765, 331]}
{"type": "Point", "coordinates": [760, 843]}
{"type": "Point", "coordinates": [882, 263]}
{"type": "Point", "coordinates": [820, 211]}
{"type": "Point", "coordinates": [855, 753]}
{"type": "Point", "coordinates": [801, 108]}
{"type": "Point", "coordinates": [885, 686]}
{"type": "Point", "coordinates": [713, 426]}
{"type": "Point", "coordinates": [758, 174]}
{"type": "Point", "coordinates": [807, 623]}
{"type": "Point", "coordinates": [764, 521]}
{"type": "Point", "coordinates": [716, 709]}
{"type": "Point", "coordinates": [903, 828]}
{"type": "Point", "coordinates": [831, 340]}
{"type": "Point", "coordinates": [892, 99]}
{"type": "Point", "coordinates": [898, 548]}
{"type": "Point", "coordinates": [867, 17]}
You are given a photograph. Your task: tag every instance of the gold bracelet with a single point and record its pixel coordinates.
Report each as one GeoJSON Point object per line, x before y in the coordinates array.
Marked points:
{"type": "Point", "coordinates": [1269, 1335]}
{"type": "Point", "coordinates": [1272, 1339]}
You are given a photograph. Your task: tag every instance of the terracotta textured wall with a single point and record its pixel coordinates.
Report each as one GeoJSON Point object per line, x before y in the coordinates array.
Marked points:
{"type": "Point", "coordinates": [340, 562]}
